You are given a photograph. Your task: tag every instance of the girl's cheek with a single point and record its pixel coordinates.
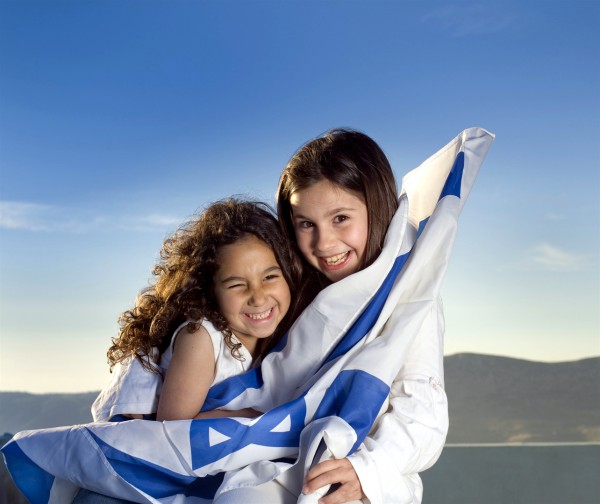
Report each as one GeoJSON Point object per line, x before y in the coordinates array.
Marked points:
{"type": "Point", "coordinates": [303, 242]}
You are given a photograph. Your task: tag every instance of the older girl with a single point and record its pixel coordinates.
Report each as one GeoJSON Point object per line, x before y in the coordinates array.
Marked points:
{"type": "Point", "coordinates": [336, 198]}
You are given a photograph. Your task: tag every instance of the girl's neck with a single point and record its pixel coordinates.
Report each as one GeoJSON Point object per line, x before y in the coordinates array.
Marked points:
{"type": "Point", "coordinates": [249, 343]}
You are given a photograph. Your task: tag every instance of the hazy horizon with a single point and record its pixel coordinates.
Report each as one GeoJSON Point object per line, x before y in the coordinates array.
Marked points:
{"type": "Point", "coordinates": [94, 391]}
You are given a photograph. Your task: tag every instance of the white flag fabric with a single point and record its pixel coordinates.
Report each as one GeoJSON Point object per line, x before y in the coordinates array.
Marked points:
{"type": "Point", "coordinates": [321, 388]}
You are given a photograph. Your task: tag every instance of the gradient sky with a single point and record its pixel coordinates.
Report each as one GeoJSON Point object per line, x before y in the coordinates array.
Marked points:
{"type": "Point", "coordinates": [119, 119]}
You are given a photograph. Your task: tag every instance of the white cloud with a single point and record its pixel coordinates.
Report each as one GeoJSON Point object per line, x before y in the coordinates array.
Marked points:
{"type": "Point", "coordinates": [27, 216]}
{"type": "Point", "coordinates": [152, 222]}
{"type": "Point", "coordinates": [34, 217]}
{"type": "Point", "coordinates": [556, 259]}
{"type": "Point", "coordinates": [18, 215]}
{"type": "Point", "coordinates": [466, 19]}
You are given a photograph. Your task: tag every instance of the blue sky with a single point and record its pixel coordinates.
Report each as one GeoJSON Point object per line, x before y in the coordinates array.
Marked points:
{"type": "Point", "coordinates": [119, 119]}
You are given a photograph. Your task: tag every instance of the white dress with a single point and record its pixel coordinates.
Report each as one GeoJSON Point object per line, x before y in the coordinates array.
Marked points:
{"type": "Point", "coordinates": [138, 392]}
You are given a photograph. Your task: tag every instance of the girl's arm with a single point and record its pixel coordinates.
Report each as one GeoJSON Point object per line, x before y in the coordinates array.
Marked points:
{"type": "Point", "coordinates": [218, 413]}
{"type": "Point", "coordinates": [189, 376]}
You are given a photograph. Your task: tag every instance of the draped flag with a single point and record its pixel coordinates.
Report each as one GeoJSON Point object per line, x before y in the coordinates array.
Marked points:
{"type": "Point", "coordinates": [335, 357]}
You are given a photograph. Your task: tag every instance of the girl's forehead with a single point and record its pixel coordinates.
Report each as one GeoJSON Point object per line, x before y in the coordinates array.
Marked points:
{"type": "Point", "coordinates": [247, 250]}
{"type": "Point", "coordinates": [246, 242]}
{"type": "Point", "coordinates": [324, 194]}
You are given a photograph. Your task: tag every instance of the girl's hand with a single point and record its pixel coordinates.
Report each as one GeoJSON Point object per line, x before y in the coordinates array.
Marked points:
{"type": "Point", "coordinates": [331, 472]}
{"type": "Point", "coordinates": [246, 413]}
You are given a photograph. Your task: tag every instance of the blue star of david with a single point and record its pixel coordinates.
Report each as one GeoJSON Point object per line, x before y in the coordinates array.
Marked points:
{"type": "Point", "coordinates": [235, 435]}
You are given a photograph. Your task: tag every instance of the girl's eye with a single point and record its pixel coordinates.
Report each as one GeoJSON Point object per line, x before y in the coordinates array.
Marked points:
{"type": "Point", "coordinates": [235, 286]}
{"type": "Point", "coordinates": [305, 224]}
{"type": "Point", "coordinates": [272, 276]}
{"type": "Point", "coordinates": [340, 218]}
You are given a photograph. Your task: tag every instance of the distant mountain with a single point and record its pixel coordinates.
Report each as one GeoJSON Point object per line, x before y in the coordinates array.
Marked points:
{"type": "Point", "coordinates": [491, 400]}
{"type": "Point", "coordinates": [500, 400]}
{"type": "Point", "coordinates": [22, 411]}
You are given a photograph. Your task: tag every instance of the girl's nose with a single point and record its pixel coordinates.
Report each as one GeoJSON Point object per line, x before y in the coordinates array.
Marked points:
{"type": "Point", "coordinates": [257, 296]}
{"type": "Point", "coordinates": [324, 240]}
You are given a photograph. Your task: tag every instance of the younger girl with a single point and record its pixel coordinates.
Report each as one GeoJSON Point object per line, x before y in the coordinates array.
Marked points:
{"type": "Point", "coordinates": [221, 300]}
{"type": "Point", "coordinates": [221, 293]}
{"type": "Point", "coordinates": [336, 198]}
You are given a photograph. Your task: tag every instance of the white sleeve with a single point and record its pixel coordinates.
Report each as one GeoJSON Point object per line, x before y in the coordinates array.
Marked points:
{"type": "Point", "coordinates": [132, 390]}
{"type": "Point", "coordinates": [409, 437]}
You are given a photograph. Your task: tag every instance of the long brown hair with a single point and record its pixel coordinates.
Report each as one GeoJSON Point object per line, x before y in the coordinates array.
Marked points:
{"type": "Point", "coordinates": [354, 162]}
{"type": "Point", "coordinates": [183, 286]}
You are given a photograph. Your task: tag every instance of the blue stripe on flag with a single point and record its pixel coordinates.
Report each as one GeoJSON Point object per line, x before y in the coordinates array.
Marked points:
{"type": "Point", "coordinates": [370, 314]}
{"type": "Point", "coordinates": [223, 392]}
{"type": "Point", "coordinates": [422, 225]}
{"type": "Point", "coordinates": [153, 479]}
{"type": "Point", "coordinates": [454, 180]}
{"type": "Point", "coordinates": [355, 396]}
{"type": "Point", "coordinates": [31, 479]}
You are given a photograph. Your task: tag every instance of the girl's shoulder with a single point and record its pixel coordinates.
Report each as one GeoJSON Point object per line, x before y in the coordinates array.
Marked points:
{"type": "Point", "coordinates": [204, 329]}
{"type": "Point", "coordinates": [213, 332]}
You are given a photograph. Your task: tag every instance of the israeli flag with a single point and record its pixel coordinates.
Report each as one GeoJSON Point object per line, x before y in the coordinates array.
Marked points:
{"type": "Point", "coordinates": [321, 389]}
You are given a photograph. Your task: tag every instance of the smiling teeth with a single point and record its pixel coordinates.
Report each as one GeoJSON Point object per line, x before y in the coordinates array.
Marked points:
{"type": "Point", "coordinates": [260, 316]}
{"type": "Point", "coordinates": [336, 259]}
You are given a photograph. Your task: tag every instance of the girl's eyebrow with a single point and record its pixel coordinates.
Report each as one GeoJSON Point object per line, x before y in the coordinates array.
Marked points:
{"type": "Point", "coordinates": [271, 269]}
{"type": "Point", "coordinates": [329, 213]}
{"type": "Point", "coordinates": [234, 278]}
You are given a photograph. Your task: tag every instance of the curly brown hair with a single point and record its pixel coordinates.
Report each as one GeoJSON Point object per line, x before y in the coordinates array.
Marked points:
{"type": "Point", "coordinates": [183, 287]}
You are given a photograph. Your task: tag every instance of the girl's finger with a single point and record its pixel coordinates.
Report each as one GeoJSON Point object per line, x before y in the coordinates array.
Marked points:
{"type": "Point", "coordinates": [327, 465]}
{"type": "Point", "coordinates": [345, 493]}
{"type": "Point", "coordinates": [337, 474]}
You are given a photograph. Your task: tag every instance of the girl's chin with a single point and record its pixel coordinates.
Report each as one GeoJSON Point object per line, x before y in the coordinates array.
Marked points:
{"type": "Point", "coordinates": [262, 329]}
{"type": "Point", "coordinates": [339, 274]}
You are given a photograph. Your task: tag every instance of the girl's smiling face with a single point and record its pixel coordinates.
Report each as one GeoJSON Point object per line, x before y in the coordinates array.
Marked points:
{"type": "Point", "coordinates": [331, 227]}
{"type": "Point", "coordinates": [250, 289]}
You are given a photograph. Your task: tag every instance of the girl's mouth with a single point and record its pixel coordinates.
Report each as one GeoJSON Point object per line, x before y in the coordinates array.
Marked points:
{"type": "Point", "coordinates": [259, 317]}
{"type": "Point", "coordinates": [335, 262]}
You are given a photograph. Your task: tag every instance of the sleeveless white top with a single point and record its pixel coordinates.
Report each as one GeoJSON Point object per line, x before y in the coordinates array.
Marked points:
{"type": "Point", "coordinates": [226, 365]}
{"type": "Point", "coordinates": [137, 391]}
